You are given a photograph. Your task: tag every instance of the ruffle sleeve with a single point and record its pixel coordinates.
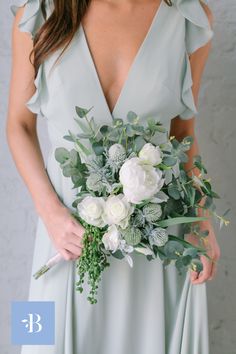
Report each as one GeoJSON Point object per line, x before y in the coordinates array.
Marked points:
{"type": "Point", "coordinates": [30, 22]}
{"type": "Point", "coordinates": [32, 18]}
{"type": "Point", "coordinates": [198, 32]}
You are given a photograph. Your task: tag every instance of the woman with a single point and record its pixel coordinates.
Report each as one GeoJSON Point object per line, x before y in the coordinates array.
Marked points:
{"type": "Point", "coordinates": [147, 56]}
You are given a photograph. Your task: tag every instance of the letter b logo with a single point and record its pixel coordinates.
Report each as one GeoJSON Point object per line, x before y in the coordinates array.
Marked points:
{"type": "Point", "coordinates": [33, 322]}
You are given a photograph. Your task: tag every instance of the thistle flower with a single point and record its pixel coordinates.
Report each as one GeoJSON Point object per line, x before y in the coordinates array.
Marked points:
{"type": "Point", "coordinates": [117, 153]}
{"type": "Point", "coordinates": [152, 212]}
{"type": "Point", "coordinates": [158, 237]}
{"type": "Point", "coordinates": [132, 235]}
{"type": "Point", "coordinates": [138, 219]}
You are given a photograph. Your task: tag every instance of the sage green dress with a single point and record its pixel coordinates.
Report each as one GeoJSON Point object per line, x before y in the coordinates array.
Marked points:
{"type": "Point", "coordinates": [146, 309]}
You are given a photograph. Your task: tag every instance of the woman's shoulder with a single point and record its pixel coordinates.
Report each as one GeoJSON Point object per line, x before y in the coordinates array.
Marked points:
{"type": "Point", "coordinates": [198, 18]}
{"type": "Point", "coordinates": [31, 14]}
{"type": "Point", "coordinates": [29, 17]}
{"type": "Point", "coordinates": [193, 23]}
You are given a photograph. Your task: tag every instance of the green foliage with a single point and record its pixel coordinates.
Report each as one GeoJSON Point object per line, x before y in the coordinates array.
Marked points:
{"type": "Point", "coordinates": [196, 265]}
{"type": "Point", "coordinates": [62, 155]}
{"type": "Point", "coordinates": [103, 149]}
{"type": "Point", "coordinates": [173, 191]}
{"type": "Point", "coordinates": [169, 161]}
{"type": "Point", "coordinates": [82, 112]}
{"type": "Point", "coordinates": [173, 249]}
{"type": "Point", "coordinates": [71, 165]}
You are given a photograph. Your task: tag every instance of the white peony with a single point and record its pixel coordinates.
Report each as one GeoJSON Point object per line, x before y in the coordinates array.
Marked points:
{"type": "Point", "coordinates": [91, 210]}
{"type": "Point", "coordinates": [117, 210]}
{"type": "Point", "coordinates": [140, 181]}
{"type": "Point", "coordinates": [111, 239]}
{"type": "Point", "coordinates": [151, 154]}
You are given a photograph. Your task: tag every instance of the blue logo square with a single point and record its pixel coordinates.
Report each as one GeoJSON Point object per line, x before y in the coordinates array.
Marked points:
{"type": "Point", "coordinates": [32, 322]}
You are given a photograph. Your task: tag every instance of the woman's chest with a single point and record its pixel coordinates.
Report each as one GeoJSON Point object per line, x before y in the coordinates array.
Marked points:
{"type": "Point", "coordinates": [148, 81]}
{"type": "Point", "coordinates": [115, 35]}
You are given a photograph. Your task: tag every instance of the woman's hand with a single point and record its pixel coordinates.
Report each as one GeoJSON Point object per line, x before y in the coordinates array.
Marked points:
{"type": "Point", "coordinates": [65, 232]}
{"type": "Point", "coordinates": [211, 244]}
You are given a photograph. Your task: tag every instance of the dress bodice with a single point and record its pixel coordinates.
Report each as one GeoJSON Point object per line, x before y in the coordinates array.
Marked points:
{"type": "Point", "coordinates": [159, 80]}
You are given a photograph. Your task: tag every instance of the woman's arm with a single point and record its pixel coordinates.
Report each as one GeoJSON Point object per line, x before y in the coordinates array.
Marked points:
{"type": "Point", "coordinates": [24, 145]}
{"type": "Point", "coordinates": [181, 128]}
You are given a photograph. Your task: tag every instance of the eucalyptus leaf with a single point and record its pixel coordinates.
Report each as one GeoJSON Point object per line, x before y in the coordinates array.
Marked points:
{"type": "Point", "coordinates": [188, 140]}
{"type": "Point", "coordinates": [84, 136]}
{"type": "Point", "coordinates": [173, 191]}
{"type": "Point", "coordinates": [186, 260]}
{"type": "Point", "coordinates": [82, 112]}
{"type": "Point", "coordinates": [139, 142]}
{"type": "Point", "coordinates": [118, 122]}
{"type": "Point", "coordinates": [114, 135]}
{"type": "Point", "coordinates": [98, 148]}
{"type": "Point", "coordinates": [104, 129]}
{"type": "Point", "coordinates": [62, 154]}
{"type": "Point", "coordinates": [196, 265]}
{"type": "Point", "coordinates": [208, 202]}
{"type": "Point", "coordinates": [82, 148]}
{"type": "Point", "coordinates": [68, 171]}
{"type": "Point", "coordinates": [74, 157]}
{"type": "Point", "coordinates": [190, 252]}
{"type": "Point", "coordinates": [180, 265]}
{"type": "Point", "coordinates": [79, 183]}
{"type": "Point", "coordinates": [160, 129]}
{"type": "Point", "coordinates": [93, 124]}
{"type": "Point", "coordinates": [118, 254]}
{"type": "Point", "coordinates": [169, 160]}
{"type": "Point", "coordinates": [129, 131]}
{"type": "Point", "coordinates": [83, 125]}
{"type": "Point", "coordinates": [182, 156]}
{"type": "Point", "coordinates": [68, 137]}
{"type": "Point", "coordinates": [168, 176]}
{"type": "Point", "coordinates": [160, 197]}
{"type": "Point", "coordinates": [192, 193]}
{"type": "Point", "coordinates": [175, 144]}
{"type": "Point", "coordinates": [132, 117]}
{"type": "Point", "coordinates": [173, 249]}
{"type": "Point", "coordinates": [183, 176]}
{"type": "Point", "coordinates": [139, 130]}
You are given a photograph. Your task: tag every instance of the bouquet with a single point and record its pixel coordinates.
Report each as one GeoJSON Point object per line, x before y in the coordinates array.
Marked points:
{"type": "Point", "coordinates": [132, 186]}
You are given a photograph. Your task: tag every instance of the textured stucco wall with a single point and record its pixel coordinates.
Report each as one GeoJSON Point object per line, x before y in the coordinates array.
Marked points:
{"type": "Point", "coordinates": [216, 133]}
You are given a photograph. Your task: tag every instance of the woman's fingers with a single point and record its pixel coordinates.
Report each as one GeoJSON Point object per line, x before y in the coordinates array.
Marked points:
{"type": "Point", "coordinates": [77, 229]}
{"type": "Point", "coordinates": [67, 255]}
{"type": "Point", "coordinates": [75, 250]}
{"type": "Point", "coordinates": [193, 275]}
{"type": "Point", "coordinates": [205, 273]}
{"type": "Point", "coordinates": [213, 270]}
{"type": "Point", "coordinates": [76, 240]}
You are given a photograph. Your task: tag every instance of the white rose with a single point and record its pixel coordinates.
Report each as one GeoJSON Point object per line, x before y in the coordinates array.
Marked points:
{"type": "Point", "coordinates": [91, 210]}
{"type": "Point", "coordinates": [140, 181]}
{"type": "Point", "coordinates": [117, 210]}
{"type": "Point", "coordinates": [111, 239]}
{"type": "Point", "coordinates": [151, 154]}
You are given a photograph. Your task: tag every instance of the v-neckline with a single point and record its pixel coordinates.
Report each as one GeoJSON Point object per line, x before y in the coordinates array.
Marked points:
{"type": "Point", "coordinates": [132, 66]}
